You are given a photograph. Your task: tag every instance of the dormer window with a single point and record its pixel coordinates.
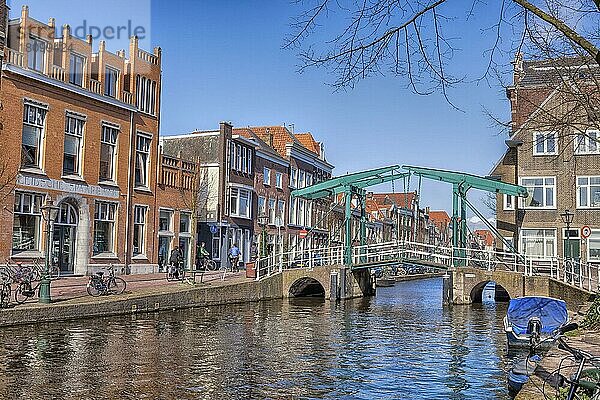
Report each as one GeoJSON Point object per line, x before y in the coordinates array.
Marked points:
{"type": "Point", "coordinates": [111, 77]}
{"type": "Point", "coordinates": [76, 69]}
{"type": "Point", "coordinates": [36, 54]}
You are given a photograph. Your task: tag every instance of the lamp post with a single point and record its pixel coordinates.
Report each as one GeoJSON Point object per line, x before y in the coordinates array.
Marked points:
{"type": "Point", "coordinates": [567, 218]}
{"type": "Point", "coordinates": [49, 212]}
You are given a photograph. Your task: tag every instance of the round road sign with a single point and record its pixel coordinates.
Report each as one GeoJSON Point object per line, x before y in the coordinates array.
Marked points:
{"type": "Point", "coordinates": [586, 231]}
{"type": "Point", "coordinates": [302, 234]}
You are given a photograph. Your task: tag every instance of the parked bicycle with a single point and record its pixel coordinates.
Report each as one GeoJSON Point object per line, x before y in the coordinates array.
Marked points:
{"type": "Point", "coordinates": [176, 272]}
{"type": "Point", "coordinates": [26, 288]}
{"type": "Point", "coordinates": [100, 285]}
{"type": "Point", "coordinates": [14, 272]}
{"type": "Point", "coordinates": [39, 266]}
{"type": "Point", "coordinates": [584, 383]}
{"type": "Point", "coordinates": [5, 291]}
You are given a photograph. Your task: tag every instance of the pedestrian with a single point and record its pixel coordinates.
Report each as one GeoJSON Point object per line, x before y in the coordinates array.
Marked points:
{"type": "Point", "coordinates": [174, 261]}
{"type": "Point", "coordinates": [234, 258]}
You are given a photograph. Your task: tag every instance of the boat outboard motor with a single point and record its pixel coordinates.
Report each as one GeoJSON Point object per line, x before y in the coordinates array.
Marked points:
{"type": "Point", "coordinates": [534, 328]}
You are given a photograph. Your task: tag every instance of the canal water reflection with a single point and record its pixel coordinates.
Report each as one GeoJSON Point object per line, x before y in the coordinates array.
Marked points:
{"type": "Point", "coordinates": [401, 344]}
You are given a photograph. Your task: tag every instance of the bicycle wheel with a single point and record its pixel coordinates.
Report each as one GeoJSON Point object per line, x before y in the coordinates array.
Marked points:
{"type": "Point", "coordinates": [23, 292]}
{"type": "Point", "coordinates": [589, 384]}
{"type": "Point", "coordinates": [210, 265]}
{"type": "Point", "coordinates": [117, 285]}
{"type": "Point", "coordinates": [170, 274]}
{"type": "Point", "coordinates": [93, 289]}
{"type": "Point", "coordinates": [181, 276]}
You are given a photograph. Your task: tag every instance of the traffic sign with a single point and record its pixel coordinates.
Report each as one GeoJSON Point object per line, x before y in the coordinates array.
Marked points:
{"type": "Point", "coordinates": [586, 231]}
{"type": "Point", "coordinates": [303, 233]}
{"type": "Point", "coordinates": [214, 229]}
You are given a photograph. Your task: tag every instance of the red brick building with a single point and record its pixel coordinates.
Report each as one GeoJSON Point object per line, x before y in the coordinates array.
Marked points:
{"type": "Point", "coordinates": [81, 130]}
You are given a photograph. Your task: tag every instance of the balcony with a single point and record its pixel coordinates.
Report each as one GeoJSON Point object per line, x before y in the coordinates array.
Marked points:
{"type": "Point", "coordinates": [95, 86]}
{"type": "Point", "coordinates": [58, 73]}
{"type": "Point", "coordinates": [14, 57]}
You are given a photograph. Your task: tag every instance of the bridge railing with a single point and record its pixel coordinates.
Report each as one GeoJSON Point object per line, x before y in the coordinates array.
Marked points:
{"type": "Point", "coordinates": [582, 275]}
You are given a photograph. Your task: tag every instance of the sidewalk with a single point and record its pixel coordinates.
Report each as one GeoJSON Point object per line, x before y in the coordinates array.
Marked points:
{"type": "Point", "coordinates": [75, 287]}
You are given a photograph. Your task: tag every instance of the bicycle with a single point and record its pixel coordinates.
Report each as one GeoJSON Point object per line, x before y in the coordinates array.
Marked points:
{"type": "Point", "coordinates": [208, 264]}
{"type": "Point", "coordinates": [5, 291]}
{"type": "Point", "coordinates": [25, 290]}
{"type": "Point", "coordinates": [584, 384]}
{"type": "Point", "coordinates": [38, 270]}
{"type": "Point", "coordinates": [100, 285]}
{"type": "Point", "coordinates": [176, 272]}
{"type": "Point", "coordinates": [14, 273]}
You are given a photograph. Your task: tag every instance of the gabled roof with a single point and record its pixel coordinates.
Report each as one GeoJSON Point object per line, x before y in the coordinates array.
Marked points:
{"type": "Point", "coordinates": [439, 217]}
{"type": "Point", "coordinates": [307, 140]}
{"type": "Point", "coordinates": [401, 200]}
{"type": "Point", "coordinates": [276, 136]}
{"type": "Point", "coordinates": [554, 71]}
{"type": "Point", "coordinates": [262, 145]}
{"type": "Point", "coordinates": [486, 236]}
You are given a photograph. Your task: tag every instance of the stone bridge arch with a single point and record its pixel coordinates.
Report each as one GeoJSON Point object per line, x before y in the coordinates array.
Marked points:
{"type": "Point", "coordinates": [349, 283]}
{"type": "Point", "coordinates": [467, 283]}
{"type": "Point", "coordinates": [501, 294]}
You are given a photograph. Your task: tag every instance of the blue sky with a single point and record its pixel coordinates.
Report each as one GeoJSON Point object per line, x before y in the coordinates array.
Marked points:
{"type": "Point", "coordinates": [223, 60]}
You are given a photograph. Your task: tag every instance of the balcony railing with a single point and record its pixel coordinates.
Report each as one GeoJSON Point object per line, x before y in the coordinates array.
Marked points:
{"type": "Point", "coordinates": [126, 97]}
{"type": "Point", "coordinates": [150, 58]}
{"type": "Point", "coordinates": [95, 86]}
{"type": "Point", "coordinates": [14, 57]}
{"type": "Point", "coordinates": [58, 73]}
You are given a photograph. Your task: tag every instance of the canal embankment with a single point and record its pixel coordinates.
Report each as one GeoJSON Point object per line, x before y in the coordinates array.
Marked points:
{"type": "Point", "coordinates": [413, 277]}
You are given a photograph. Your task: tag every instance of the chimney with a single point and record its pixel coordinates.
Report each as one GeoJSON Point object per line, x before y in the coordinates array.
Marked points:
{"type": "Point", "coordinates": [270, 136]}
{"type": "Point", "coordinates": [517, 68]}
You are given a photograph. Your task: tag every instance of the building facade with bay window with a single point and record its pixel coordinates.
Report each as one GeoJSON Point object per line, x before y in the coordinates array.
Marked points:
{"type": "Point", "coordinates": [554, 152]}
{"type": "Point", "coordinates": [80, 128]}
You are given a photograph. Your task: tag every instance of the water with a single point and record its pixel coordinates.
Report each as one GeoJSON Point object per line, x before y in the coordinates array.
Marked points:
{"type": "Point", "coordinates": [400, 345]}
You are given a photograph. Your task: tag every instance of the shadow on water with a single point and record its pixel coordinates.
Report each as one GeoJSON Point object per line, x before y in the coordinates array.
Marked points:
{"type": "Point", "coordinates": [401, 344]}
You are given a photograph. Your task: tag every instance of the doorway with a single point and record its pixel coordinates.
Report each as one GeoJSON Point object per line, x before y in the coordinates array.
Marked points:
{"type": "Point", "coordinates": [64, 238]}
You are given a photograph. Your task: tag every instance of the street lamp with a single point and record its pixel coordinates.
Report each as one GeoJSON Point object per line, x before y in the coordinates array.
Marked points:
{"type": "Point", "coordinates": [49, 212]}
{"type": "Point", "coordinates": [567, 218]}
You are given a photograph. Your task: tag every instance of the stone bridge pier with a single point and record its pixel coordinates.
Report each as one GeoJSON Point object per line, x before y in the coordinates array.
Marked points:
{"type": "Point", "coordinates": [332, 281]}
{"type": "Point", "coordinates": [465, 286]}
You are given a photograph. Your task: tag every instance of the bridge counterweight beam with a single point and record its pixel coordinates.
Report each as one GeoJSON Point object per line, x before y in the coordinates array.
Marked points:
{"type": "Point", "coordinates": [348, 225]}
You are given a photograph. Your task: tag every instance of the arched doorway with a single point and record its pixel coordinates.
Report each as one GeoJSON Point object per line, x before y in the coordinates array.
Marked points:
{"type": "Point", "coordinates": [489, 291]}
{"type": "Point", "coordinates": [307, 287]}
{"type": "Point", "coordinates": [64, 238]}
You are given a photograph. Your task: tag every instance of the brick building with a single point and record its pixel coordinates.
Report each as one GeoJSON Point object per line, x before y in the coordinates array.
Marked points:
{"type": "Point", "coordinates": [404, 208]}
{"type": "Point", "coordinates": [80, 128]}
{"type": "Point", "coordinates": [441, 224]}
{"type": "Point", "coordinates": [225, 189]}
{"type": "Point", "coordinates": [554, 152]}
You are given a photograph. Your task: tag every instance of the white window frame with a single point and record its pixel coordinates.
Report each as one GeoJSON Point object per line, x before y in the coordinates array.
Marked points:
{"type": "Point", "coordinates": [544, 187]}
{"type": "Point", "coordinates": [266, 176]}
{"type": "Point", "coordinates": [545, 136]}
{"type": "Point", "coordinates": [589, 246]}
{"type": "Point", "coordinates": [111, 86]}
{"type": "Point", "coordinates": [76, 77]}
{"type": "Point", "coordinates": [523, 247]}
{"type": "Point", "coordinates": [583, 144]}
{"type": "Point", "coordinates": [75, 130]}
{"type": "Point", "coordinates": [188, 215]}
{"type": "Point", "coordinates": [109, 136]}
{"type": "Point", "coordinates": [278, 180]}
{"type": "Point", "coordinates": [272, 211]}
{"type": "Point", "coordinates": [281, 210]}
{"type": "Point", "coordinates": [140, 213]}
{"type": "Point", "coordinates": [262, 206]}
{"type": "Point", "coordinates": [148, 152]}
{"type": "Point", "coordinates": [588, 187]}
{"type": "Point", "coordinates": [35, 204]}
{"type": "Point", "coordinates": [238, 162]}
{"type": "Point", "coordinates": [35, 44]}
{"type": "Point", "coordinates": [509, 202]}
{"type": "Point", "coordinates": [293, 178]}
{"type": "Point", "coordinates": [40, 111]}
{"type": "Point", "coordinates": [244, 159]}
{"type": "Point", "coordinates": [170, 213]}
{"type": "Point", "coordinates": [109, 208]}
{"type": "Point", "coordinates": [237, 194]}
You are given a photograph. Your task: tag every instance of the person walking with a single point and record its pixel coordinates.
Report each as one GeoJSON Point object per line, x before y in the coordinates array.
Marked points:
{"type": "Point", "coordinates": [234, 258]}
{"type": "Point", "coordinates": [174, 261]}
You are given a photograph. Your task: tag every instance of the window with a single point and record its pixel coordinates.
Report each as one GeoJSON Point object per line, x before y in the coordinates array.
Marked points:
{"type": "Point", "coordinates": [76, 64]}
{"type": "Point", "coordinates": [538, 242]}
{"type": "Point", "coordinates": [293, 178]}
{"type": "Point", "coordinates": [301, 179]}
{"type": "Point", "coordinates": [111, 77]}
{"type": "Point", "coordinates": [594, 245]}
{"type": "Point", "coordinates": [145, 94]}
{"type": "Point", "coordinates": [261, 206]}
{"type": "Point", "coordinates": [165, 218]}
{"type": "Point", "coordinates": [509, 202]}
{"type": "Point", "coordinates": [36, 54]}
{"type": "Point", "coordinates": [185, 223]}
{"type": "Point", "coordinates": [292, 210]}
{"type": "Point", "coordinates": [239, 203]}
{"type": "Point", "coordinates": [300, 219]}
{"type": "Point", "coordinates": [272, 211]}
{"type": "Point", "coordinates": [309, 179]}
{"type": "Point", "coordinates": [232, 155]}
{"type": "Point", "coordinates": [544, 143]}
{"type": "Point", "coordinates": [587, 143]}
{"type": "Point", "coordinates": [26, 223]}
{"type": "Point", "coordinates": [33, 126]}
{"type": "Point", "coordinates": [244, 159]}
{"type": "Point", "coordinates": [108, 146]}
{"type": "Point", "coordinates": [508, 239]}
{"type": "Point", "coordinates": [588, 191]}
{"type": "Point", "coordinates": [139, 229]}
{"type": "Point", "coordinates": [266, 176]}
{"type": "Point", "coordinates": [142, 159]}
{"type": "Point", "coordinates": [281, 209]}
{"type": "Point", "coordinates": [104, 227]}
{"type": "Point", "coordinates": [542, 192]}
{"type": "Point", "coordinates": [279, 180]}
{"type": "Point", "coordinates": [73, 144]}
{"type": "Point", "coordinates": [238, 155]}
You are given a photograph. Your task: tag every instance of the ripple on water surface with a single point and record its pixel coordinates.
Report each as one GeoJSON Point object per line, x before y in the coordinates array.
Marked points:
{"type": "Point", "coordinates": [401, 344]}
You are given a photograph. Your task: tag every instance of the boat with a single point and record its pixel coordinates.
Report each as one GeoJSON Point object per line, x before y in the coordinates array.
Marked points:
{"type": "Point", "coordinates": [532, 315]}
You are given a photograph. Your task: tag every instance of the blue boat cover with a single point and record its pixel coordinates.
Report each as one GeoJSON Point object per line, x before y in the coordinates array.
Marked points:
{"type": "Point", "coordinates": [552, 313]}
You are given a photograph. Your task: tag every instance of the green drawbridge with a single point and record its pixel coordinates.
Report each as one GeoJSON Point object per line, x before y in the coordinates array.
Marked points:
{"type": "Point", "coordinates": [355, 184]}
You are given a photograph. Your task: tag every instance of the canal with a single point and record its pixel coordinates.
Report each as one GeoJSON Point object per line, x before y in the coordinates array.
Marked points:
{"type": "Point", "coordinates": [402, 344]}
